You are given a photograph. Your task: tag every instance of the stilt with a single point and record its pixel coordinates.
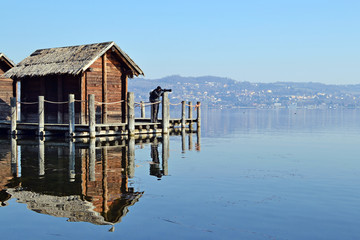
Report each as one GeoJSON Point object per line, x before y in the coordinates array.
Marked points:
{"type": "Point", "coordinates": [92, 119]}
{"type": "Point", "coordinates": [165, 112]}
{"type": "Point", "coordinates": [131, 114]}
{"type": "Point", "coordinates": [13, 130]}
{"type": "Point", "coordinates": [71, 115]}
{"type": "Point", "coordinates": [41, 117]}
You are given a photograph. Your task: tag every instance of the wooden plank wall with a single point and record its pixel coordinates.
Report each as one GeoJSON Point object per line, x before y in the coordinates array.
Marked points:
{"type": "Point", "coordinates": [114, 85]}
{"type": "Point", "coordinates": [6, 92]}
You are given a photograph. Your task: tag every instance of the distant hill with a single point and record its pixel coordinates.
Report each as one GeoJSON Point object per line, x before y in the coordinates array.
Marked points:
{"type": "Point", "coordinates": [225, 92]}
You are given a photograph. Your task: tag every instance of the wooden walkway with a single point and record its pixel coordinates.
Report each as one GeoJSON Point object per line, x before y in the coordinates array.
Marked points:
{"type": "Point", "coordinates": [133, 126]}
{"type": "Point", "coordinates": [142, 126]}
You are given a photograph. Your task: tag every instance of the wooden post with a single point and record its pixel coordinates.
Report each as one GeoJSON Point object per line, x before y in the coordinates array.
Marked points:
{"type": "Point", "coordinates": [198, 117]}
{"type": "Point", "coordinates": [83, 90]}
{"type": "Point", "coordinates": [92, 116]}
{"type": "Point", "coordinates": [142, 106]}
{"type": "Point", "coordinates": [104, 82]}
{"type": "Point", "coordinates": [13, 116]}
{"type": "Point", "coordinates": [183, 114]}
{"type": "Point", "coordinates": [190, 115]}
{"type": "Point", "coordinates": [71, 115]}
{"type": "Point", "coordinates": [41, 117]}
{"type": "Point", "coordinates": [131, 114]}
{"type": "Point", "coordinates": [165, 112]}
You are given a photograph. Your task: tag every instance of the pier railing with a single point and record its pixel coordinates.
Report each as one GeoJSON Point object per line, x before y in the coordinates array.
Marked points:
{"type": "Point", "coordinates": [130, 126]}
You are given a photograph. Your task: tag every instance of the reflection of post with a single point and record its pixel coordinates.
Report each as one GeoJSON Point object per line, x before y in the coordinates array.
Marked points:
{"type": "Point", "coordinates": [71, 161]}
{"type": "Point", "coordinates": [165, 153]}
{"type": "Point", "coordinates": [198, 139]}
{"type": "Point", "coordinates": [41, 157]}
{"type": "Point", "coordinates": [183, 140]}
{"type": "Point", "coordinates": [14, 156]}
{"type": "Point", "coordinates": [105, 181]}
{"type": "Point", "coordinates": [92, 156]}
{"type": "Point", "coordinates": [190, 141]}
{"type": "Point", "coordinates": [131, 157]}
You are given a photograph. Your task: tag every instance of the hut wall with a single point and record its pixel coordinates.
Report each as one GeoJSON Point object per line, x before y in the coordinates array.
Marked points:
{"type": "Point", "coordinates": [94, 85]}
{"type": "Point", "coordinates": [6, 92]}
{"type": "Point", "coordinates": [115, 87]}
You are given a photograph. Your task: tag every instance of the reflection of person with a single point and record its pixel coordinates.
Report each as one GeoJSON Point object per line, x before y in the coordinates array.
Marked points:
{"type": "Point", "coordinates": [155, 165]}
{"type": "Point", "coordinates": [4, 196]}
{"type": "Point", "coordinates": [155, 99]}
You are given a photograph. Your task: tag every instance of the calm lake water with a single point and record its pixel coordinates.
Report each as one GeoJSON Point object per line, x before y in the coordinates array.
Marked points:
{"type": "Point", "coordinates": [253, 174]}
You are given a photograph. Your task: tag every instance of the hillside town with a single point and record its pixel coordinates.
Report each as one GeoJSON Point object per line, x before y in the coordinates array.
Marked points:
{"type": "Point", "coordinates": [219, 92]}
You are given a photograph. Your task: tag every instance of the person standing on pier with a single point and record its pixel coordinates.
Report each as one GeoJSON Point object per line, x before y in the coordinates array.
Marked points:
{"type": "Point", "coordinates": [155, 100]}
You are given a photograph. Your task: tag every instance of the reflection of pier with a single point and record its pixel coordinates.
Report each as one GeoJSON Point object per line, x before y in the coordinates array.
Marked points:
{"type": "Point", "coordinates": [86, 180]}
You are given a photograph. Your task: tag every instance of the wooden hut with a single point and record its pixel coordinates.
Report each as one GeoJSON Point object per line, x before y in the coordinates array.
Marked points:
{"type": "Point", "coordinates": [101, 69]}
{"type": "Point", "coordinates": [6, 87]}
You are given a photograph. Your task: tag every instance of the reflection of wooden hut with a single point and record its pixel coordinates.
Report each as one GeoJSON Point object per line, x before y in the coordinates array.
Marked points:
{"type": "Point", "coordinates": [101, 69]}
{"type": "Point", "coordinates": [6, 87]}
{"type": "Point", "coordinates": [99, 195]}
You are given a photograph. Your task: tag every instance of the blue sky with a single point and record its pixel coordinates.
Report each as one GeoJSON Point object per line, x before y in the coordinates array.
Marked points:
{"type": "Point", "coordinates": [253, 40]}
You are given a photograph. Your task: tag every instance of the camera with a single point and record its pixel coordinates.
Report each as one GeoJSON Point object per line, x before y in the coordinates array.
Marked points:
{"type": "Point", "coordinates": [167, 90]}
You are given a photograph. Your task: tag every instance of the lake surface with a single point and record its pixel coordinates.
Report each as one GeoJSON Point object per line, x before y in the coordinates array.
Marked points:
{"type": "Point", "coordinates": [253, 174]}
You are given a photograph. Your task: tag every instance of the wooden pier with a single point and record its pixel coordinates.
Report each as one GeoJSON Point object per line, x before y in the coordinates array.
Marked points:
{"type": "Point", "coordinates": [131, 127]}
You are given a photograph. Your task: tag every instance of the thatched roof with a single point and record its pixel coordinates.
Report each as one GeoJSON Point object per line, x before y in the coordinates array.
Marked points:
{"type": "Point", "coordinates": [7, 60]}
{"type": "Point", "coordinates": [67, 60]}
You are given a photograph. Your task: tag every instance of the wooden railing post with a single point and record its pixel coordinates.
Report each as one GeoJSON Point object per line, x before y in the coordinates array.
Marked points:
{"type": "Point", "coordinates": [41, 116]}
{"type": "Point", "coordinates": [142, 106]}
{"type": "Point", "coordinates": [183, 114]}
{"type": "Point", "coordinates": [165, 112]}
{"type": "Point", "coordinates": [131, 114]}
{"type": "Point", "coordinates": [71, 115]}
{"type": "Point", "coordinates": [92, 119]}
{"type": "Point", "coordinates": [13, 116]}
{"type": "Point", "coordinates": [198, 117]}
{"type": "Point", "coordinates": [190, 116]}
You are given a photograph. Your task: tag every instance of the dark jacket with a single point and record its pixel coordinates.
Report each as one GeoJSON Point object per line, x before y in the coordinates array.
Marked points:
{"type": "Point", "coordinates": [155, 95]}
